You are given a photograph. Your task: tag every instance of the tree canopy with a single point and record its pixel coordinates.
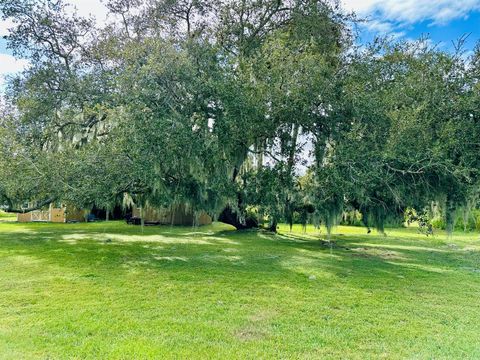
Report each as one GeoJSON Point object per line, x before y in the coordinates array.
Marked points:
{"type": "Point", "coordinates": [250, 111]}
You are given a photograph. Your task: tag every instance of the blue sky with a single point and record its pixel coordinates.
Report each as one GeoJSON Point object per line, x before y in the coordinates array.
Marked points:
{"type": "Point", "coordinates": [444, 21]}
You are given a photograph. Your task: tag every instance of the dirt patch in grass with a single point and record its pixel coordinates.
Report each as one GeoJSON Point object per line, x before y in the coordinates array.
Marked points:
{"type": "Point", "coordinates": [257, 326]}
{"type": "Point", "coordinates": [251, 332]}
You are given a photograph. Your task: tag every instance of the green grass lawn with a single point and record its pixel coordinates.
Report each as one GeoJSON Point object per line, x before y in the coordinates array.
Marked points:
{"type": "Point", "coordinates": [105, 290]}
{"type": "Point", "coordinates": [7, 216]}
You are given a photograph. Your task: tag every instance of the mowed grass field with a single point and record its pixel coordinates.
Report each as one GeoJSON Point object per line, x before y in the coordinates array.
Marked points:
{"type": "Point", "coordinates": [7, 216]}
{"type": "Point", "coordinates": [109, 291]}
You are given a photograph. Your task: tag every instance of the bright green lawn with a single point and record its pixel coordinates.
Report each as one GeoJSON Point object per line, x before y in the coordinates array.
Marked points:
{"type": "Point", "coordinates": [215, 293]}
{"type": "Point", "coordinates": [7, 216]}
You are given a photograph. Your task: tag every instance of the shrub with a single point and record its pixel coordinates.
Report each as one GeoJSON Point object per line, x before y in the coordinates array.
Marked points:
{"type": "Point", "coordinates": [473, 222]}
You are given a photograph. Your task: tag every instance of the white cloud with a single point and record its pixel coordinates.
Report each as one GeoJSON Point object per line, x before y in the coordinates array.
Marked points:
{"type": "Point", "coordinates": [359, 6]}
{"type": "Point", "coordinates": [88, 8]}
{"type": "Point", "coordinates": [394, 17]}
{"type": "Point", "coordinates": [4, 26]}
{"type": "Point", "coordinates": [378, 26]}
{"type": "Point", "coordinates": [437, 12]}
{"type": "Point", "coordinates": [10, 65]}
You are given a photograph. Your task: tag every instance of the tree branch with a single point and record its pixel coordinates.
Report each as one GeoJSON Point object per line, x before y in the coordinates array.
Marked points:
{"type": "Point", "coordinates": [39, 205]}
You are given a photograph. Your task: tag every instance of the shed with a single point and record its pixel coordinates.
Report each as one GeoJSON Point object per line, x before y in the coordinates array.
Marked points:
{"type": "Point", "coordinates": [61, 214]}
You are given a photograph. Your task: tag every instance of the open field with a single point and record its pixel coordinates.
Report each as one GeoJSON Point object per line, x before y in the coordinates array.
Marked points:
{"type": "Point", "coordinates": [105, 290]}
{"type": "Point", "coordinates": [7, 216]}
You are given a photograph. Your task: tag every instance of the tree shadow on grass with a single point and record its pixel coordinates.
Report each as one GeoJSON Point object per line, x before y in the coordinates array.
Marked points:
{"type": "Point", "coordinates": [229, 253]}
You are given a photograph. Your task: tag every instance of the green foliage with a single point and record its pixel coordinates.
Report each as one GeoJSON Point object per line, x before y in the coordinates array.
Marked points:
{"type": "Point", "coordinates": [472, 222]}
{"type": "Point", "coordinates": [422, 219]}
{"type": "Point", "coordinates": [352, 218]}
{"type": "Point", "coordinates": [195, 103]}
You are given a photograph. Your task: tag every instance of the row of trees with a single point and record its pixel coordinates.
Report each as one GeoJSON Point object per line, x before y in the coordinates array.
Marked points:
{"type": "Point", "coordinates": [245, 109]}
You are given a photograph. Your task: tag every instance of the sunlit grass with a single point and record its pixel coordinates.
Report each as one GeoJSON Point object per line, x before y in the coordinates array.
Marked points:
{"type": "Point", "coordinates": [7, 216]}
{"type": "Point", "coordinates": [109, 290]}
